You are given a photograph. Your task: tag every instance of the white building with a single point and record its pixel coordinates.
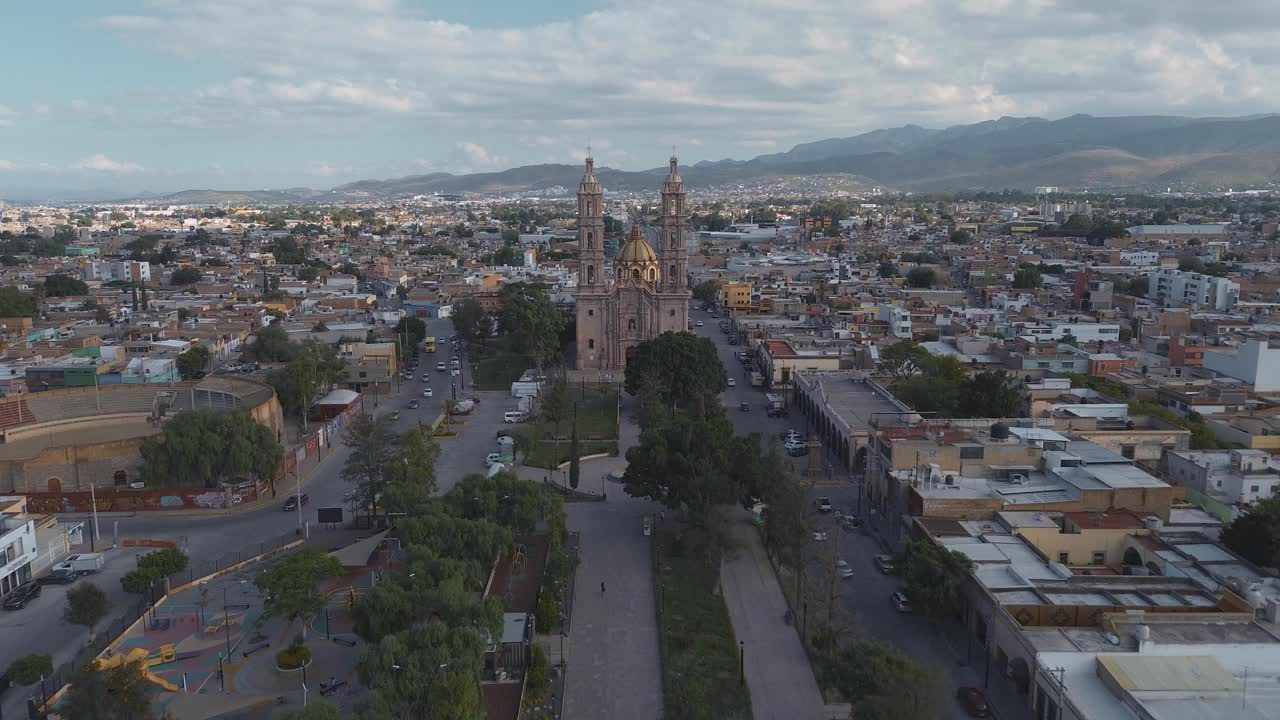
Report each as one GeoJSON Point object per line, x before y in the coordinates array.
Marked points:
{"type": "Point", "coordinates": [899, 319]}
{"type": "Point", "coordinates": [1236, 477]}
{"type": "Point", "coordinates": [1141, 258]}
{"type": "Point", "coordinates": [126, 270]}
{"type": "Point", "coordinates": [1082, 332]}
{"type": "Point", "coordinates": [1175, 288]}
{"type": "Point", "coordinates": [1255, 362]}
{"type": "Point", "coordinates": [18, 550]}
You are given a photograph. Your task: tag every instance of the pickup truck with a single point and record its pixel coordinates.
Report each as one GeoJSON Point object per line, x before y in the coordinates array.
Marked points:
{"type": "Point", "coordinates": [84, 563]}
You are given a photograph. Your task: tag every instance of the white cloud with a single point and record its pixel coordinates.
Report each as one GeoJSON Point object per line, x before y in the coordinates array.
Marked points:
{"type": "Point", "coordinates": [102, 163]}
{"type": "Point", "coordinates": [6, 116]}
{"type": "Point", "coordinates": [40, 108]}
{"type": "Point", "coordinates": [8, 165]}
{"type": "Point", "coordinates": [324, 168]}
{"type": "Point", "coordinates": [713, 70]}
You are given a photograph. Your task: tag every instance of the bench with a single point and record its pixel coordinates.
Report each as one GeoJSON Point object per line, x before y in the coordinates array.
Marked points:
{"type": "Point", "coordinates": [255, 648]}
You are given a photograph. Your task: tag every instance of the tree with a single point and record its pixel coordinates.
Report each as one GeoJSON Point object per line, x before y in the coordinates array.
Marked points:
{"type": "Point", "coordinates": [193, 362]}
{"type": "Point", "coordinates": [1255, 535]}
{"type": "Point", "coordinates": [538, 683]}
{"type": "Point", "coordinates": [270, 344]}
{"type": "Point", "coordinates": [686, 462]}
{"type": "Point", "coordinates": [14, 303]}
{"type": "Point", "coordinates": [675, 370]}
{"type": "Point", "coordinates": [920, 277]}
{"type": "Point", "coordinates": [28, 669]}
{"type": "Point", "coordinates": [287, 251]}
{"type": "Point", "coordinates": [470, 320]}
{"type": "Point", "coordinates": [185, 276]}
{"type": "Point", "coordinates": [1027, 277]}
{"type": "Point", "coordinates": [86, 605]}
{"type": "Point", "coordinates": [529, 315]}
{"type": "Point", "coordinates": [902, 359]}
{"type": "Point", "coordinates": [372, 447]}
{"type": "Point", "coordinates": [120, 693]}
{"type": "Point", "coordinates": [204, 447]}
{"type": "Point", "coordinates": [153, 567]}
{"type": "Point", "coordinates": [575, 465]}
{"type": "Point", "coordinates": [293, 585]}
{"type": "Point", "coordinates": [991, 394]}
{"type": "Point", "coordinates": [880, 682]}
{"type": "Point", "coordinates": [429, 670]}
{"type": "Point", "coordinates": [708, 291]}
{"type": "Point", "coordinates": [887, 269]}
{"type": "Point", "coordinates": [1191, 264]}
{"type": "Point", "coordinates": [412, 472]}
{"type": "Point", "coordinates": [308, 274]}
{"type": "Point", "coordinates": [934, 577]}
{"type": "Point", "coordinates": [60, 285]}
{"type": "Point", "coordinates": [961, 237]}
{"type": "Point", "coordinates": [314, 711]}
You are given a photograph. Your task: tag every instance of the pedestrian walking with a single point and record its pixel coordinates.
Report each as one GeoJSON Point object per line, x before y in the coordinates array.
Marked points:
{"type": "Point", "coordinates": [601, 588]}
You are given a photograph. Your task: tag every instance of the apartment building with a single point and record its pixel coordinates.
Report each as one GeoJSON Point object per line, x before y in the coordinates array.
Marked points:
{"type": "Point", "coordinates": [18, 550]}
{"type": "Point", "coordinates": [118, 270]}
{"type": "Point", "coordinates": [1255, 362]}
{"type": "Point", "coordinates": [1233, 477]}
{"type": "Point", "coordinates": [1177, 288]}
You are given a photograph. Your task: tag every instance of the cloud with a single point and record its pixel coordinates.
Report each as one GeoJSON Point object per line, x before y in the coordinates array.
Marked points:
{"type": "Point", "coordinates": [8, 165]}
{"type": "Point", "coordinates": [388, 71]}
{"type": "Point", "coordinates": [102, 163]}
{"type": "Point", "coordinates": [324, 168]}
{"type": "Point", "coordinates": [6, 116]}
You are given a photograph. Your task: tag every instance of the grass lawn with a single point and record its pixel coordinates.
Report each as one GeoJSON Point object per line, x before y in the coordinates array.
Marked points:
{"type": "Point", "coordinates": [597, 431]}
{"type": "Point", "coordinates": [496, 365]}
{"type": "Point", "coordinates": [699, 651]}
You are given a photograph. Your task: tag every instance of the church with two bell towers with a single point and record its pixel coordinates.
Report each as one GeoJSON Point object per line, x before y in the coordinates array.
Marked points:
{"type": "Point", "coordinates": [648, 293]}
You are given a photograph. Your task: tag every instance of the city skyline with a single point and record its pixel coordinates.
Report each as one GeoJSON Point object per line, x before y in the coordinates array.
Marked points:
{"type": "Point", "coordinates": [153, 95]}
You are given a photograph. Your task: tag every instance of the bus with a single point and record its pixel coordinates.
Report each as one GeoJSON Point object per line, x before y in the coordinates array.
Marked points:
{"type": "Point", "coordinates": [429, 344]}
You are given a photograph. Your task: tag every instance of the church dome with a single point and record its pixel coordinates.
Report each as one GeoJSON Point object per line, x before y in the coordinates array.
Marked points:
{"type": "Point", "coordinates": [637, 260]}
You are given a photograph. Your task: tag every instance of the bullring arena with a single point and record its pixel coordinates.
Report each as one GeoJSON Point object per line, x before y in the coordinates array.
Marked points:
{"type": "Point", "coordinates": [63, 441]}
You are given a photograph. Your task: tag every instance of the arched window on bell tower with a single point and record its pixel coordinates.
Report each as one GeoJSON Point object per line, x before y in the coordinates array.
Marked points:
{"type": "Point", "coordinates": [671, 274]}
{"type": "Point", "coordinates": [591, 274]}
{"type": "Point", "coordinates": [591, 241]}
{"type": "Point", "coordinates": [635, 274]}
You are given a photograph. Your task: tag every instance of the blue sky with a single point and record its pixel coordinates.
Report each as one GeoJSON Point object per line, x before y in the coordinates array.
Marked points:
{"type": "Point", "coordinates": [112, 97]}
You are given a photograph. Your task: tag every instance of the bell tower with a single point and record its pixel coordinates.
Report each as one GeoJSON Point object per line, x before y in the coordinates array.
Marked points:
{"type": "Point", "coordinates": [593, 287]}
{"type": "Point", "coordinates": [672, 253]}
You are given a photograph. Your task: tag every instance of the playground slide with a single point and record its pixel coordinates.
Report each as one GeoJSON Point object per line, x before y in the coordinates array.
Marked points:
{"type": "Point", "coordinates": [166, 654]}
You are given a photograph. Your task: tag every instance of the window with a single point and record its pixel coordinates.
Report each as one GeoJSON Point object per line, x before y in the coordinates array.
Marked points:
{"type": "Point", "coordinates": [591, 343]}
{"type": "Point", "coordinates": [635, 274]}
{"type": "Point", "coordinates": [1099, 558]}
{"type": "Point", "coordinates": [9, 554]}
{"type": "Point", "coordinates": [673, 313]}
{"type": "Point", "coordinates": [1127, 451]}
{"type": "Point", "coordinates": [631, 324]}
{"type": "Point", "coordinates": [1253, 488]}
{"type": "Point", "coordinates": [671, 273]}
{"type": "Point", "coordinates": [591, 274]}
{"type": "Point", "coordinates": [591, 242]}
{"type": "Point", "coordinates": [591, 313]}
{"type": "Point", "coordinates": [972, 452]}
{"type": "Point", "coordinates": [363, 373]}
{"type": "Point", "coordinates": [1064, 558]}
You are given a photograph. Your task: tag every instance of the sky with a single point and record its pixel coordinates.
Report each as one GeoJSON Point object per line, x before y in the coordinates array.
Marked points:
{"type": "Point", "coordinates": [104, 98]}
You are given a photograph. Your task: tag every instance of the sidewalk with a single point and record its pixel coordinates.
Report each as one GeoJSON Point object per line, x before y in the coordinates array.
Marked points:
{"type": "Point", "coordinates": [778, 672]}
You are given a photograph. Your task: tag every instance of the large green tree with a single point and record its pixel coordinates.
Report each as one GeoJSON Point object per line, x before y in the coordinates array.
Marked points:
{"type": "Point", "coordinates": [86, 605]}
{"type": "Point", "coordinates": [315, 710]}
{"type": "Point", "coordinates": [677, 370]}
{"type": "Point", "coordinates": [991, 394]}
{"type": "Point", "coordinates": [411, 473]}
{"type": "Point", "coordinates": [1255, 535]}
{"type": "Point", "coordinates": [293, 584]}
{"type": "Point", "coordinates": [921, 277]}
{"type": "Point", "coordinates": [270, 344]}
{"type": "Point", "coordinates": [373, 445]}
{"type": "Point", "coordinates": [62, 285]}
{"type": "Point", "coordinates": [881, 683]}
{"type": "Point", "coordinates": [121, 693]}
{"type": "Point", "coordinates": [152, 567]}
{"type": "Point", "coordinates": [193, 362]}
{"type": "Point", "coordinates": [28, 669]}
{"type": "Point", "coordinates": [1027, 277]}
{"type": "Point", "coordinates": [707, 291]}
{"type": "Point", "coordinates": [17, 304]}
{"type": "Point", "coordinates": [201, 448]}
{"type": "Point", "coordinates": [288, 251]}
{"type": "Point", "coordinates": [533, 320]}
{"type": "Point", "coordinates": [934, 577]}
{"type": "Point", "coordinates": [430, 670]}
{"type": "Point", "coordinates": [185, 276]}
{"type": "Point", "coordinates": [903, 359]}
{"type": "Point", "coordinates": [470, 320]}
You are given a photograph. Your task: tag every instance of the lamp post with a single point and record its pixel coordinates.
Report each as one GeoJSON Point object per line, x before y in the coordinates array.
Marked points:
{"type": "Point", "coordinates": [742, 662]}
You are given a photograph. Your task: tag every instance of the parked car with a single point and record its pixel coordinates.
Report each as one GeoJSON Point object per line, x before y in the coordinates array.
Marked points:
{"type": "Point", "coordinates": [900, 601]}
{"type": "Point", "coordinates": [427, 393]}
{"type": "Point", "coordinates": [491, 458]}
{"type": "Point", "coordinates": [733, 383]}
{"type": "Point", "coordinates": [798, 450]}
{"type": "Point", "coordinates": [426, 378]}
{"type": "Point", "coordinates": [823, 504]}
{"type": "Point", "coordinates": [699, 323]}
{"type": "Point", "coordinates": [455, 372]}
{"type": "Point", "coordinates": [884, 563]}
{"type": "Point", "coordinates": [60, 577]}
{"type": "Point", "coordinates": [850, 522]}
{"type": "Point", "coordinates": [513, 417]}
{"type": "Point", "coordinates": [292, 502]}
{"type": "Point", "coordinates": [413, 404]}
{"type": "Point", "coordinates": [24, 594]}
{"type": "Point", "coordinates": [776, 412]}
{"type": "Point", "coordinates": [974, 702]}
{"type": "Point", "coordinates": [744, 406]}
{"type": "Point", "coordinates": [843, 569]}
{"type": "Point", "coordinates": [819, 536]}
{"type": "Point", "coordinates": [504, 433]}
{"type": "Point", "coordinates": [440, 367]}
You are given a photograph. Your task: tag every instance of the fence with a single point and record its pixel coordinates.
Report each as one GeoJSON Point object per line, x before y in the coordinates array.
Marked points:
{"type": "Point", "coordinates": [206, 568]}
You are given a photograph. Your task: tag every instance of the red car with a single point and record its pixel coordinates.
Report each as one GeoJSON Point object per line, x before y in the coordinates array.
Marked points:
{"type": "Point", "coordinates": [974, 701]}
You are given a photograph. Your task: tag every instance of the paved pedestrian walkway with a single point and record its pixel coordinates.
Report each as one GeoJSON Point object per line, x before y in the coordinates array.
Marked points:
{"type": "Point", "coordinates": [778, 673]}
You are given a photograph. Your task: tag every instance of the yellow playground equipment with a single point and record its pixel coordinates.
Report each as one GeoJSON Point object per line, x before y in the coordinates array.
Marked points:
{"type": "Point", "coordinates": [165, 654]}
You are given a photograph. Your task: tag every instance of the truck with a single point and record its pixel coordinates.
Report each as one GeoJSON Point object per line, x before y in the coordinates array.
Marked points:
{"type": "Point", "coordinates": [757, 378]}
{"type": "Point", "coordinates": [84, 563]}
{"type": "Point", "coordinates": [462, 407]}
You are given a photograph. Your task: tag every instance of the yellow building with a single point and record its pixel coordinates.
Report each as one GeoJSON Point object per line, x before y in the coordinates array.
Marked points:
{"type": "Point", "coordinates": [1084, 539]}
{"type": "Point", "coordinates": [736, 296]}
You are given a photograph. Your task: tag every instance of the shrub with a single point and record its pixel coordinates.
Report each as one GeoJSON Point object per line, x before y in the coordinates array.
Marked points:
{"type": "Point", "coordinates": [538, 682]}
{"type": "Point", "coordinates": [293, 657]}
{"type": "Point", "coordinates": [30, 668]}
{"type": "Point", "coordinates": [547, 613]}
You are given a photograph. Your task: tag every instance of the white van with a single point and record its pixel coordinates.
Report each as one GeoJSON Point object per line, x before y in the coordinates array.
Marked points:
{"type": "Point", "coordinates": [513, 417]}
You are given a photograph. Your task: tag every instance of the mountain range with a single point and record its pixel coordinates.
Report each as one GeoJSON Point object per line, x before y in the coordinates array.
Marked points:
{"type": "Point", "coordinates": [1076, 152]}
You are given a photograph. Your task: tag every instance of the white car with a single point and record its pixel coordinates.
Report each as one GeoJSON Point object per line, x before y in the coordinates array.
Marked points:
{"type": "Point", "coordinates": [426, 393]}
{"type": "Point", "coordinates": [819, 536]}
{"type": "Point", "coordinates": [733, 383]}
{"type": "Point", "coordinates": [699, 323]}
{"type": "Point", "coordinates": [439, 367]}
{"type": "Point", "coordinates": [823, 504]}
{"type": "Point", "coordinates": [491, 458]}
{"type": "Point", "coordinates": [456, 372]}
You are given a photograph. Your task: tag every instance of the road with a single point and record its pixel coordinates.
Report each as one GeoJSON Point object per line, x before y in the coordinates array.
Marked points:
{"type": "Point", "coordinates": [39, 626]}
{"type": "Point", "coordinates": [864, 598]}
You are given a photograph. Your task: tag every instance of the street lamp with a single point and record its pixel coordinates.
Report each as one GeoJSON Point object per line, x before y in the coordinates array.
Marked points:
{"type": "Point", "coordinates": [742, 662]}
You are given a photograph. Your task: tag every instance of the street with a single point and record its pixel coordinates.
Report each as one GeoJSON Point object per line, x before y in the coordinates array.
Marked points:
{"type": "Point", "coordinates": [864, 598]}
{"type": "Point", "coordinates": [39, 627]}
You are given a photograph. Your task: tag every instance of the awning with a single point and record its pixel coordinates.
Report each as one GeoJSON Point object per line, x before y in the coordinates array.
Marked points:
{"type": "Point", "coordinates": [357, 553]}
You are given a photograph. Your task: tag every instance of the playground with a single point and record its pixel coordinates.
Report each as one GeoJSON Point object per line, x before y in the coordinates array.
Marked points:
{"type": "Point", "coordinates": [210, 649]}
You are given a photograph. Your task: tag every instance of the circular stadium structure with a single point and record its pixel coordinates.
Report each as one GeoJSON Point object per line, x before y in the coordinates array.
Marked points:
{"type": "Point", "coordinates": [68, 440]}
